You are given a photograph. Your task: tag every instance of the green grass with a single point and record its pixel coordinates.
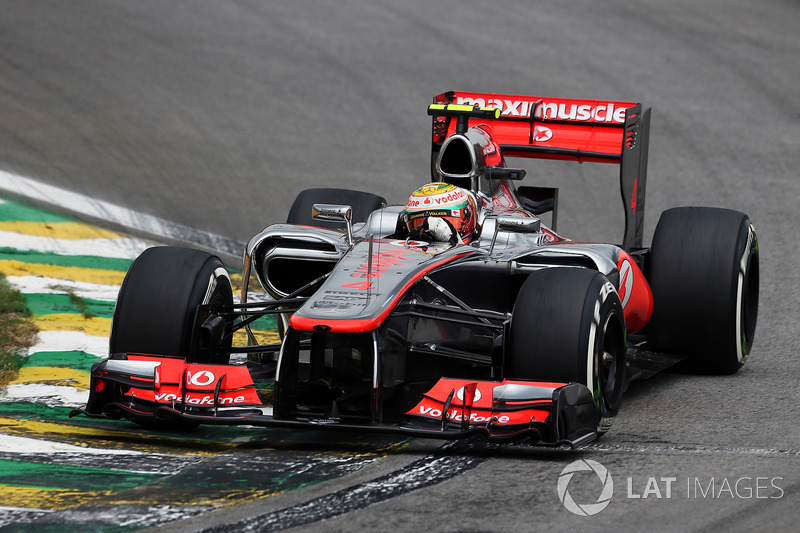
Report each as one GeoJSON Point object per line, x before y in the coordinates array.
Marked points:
{"type": "Point", "coordinates": [17, 332]}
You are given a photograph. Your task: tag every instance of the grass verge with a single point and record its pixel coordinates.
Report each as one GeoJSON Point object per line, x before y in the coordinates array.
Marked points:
{"type": "Point", "coordinates": [17, 332]}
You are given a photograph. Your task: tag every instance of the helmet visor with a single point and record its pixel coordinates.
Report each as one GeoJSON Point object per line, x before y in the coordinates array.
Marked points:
{"type": "Point", "coordinates": [417, 218]}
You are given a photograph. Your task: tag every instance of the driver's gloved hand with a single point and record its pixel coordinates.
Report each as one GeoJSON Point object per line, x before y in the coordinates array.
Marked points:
{"type": "Point", "coordinates": [435, 229]}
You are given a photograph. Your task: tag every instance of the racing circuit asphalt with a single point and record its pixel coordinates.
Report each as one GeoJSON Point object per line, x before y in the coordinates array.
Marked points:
{"type": "Point", "coordinates": [213, 115]}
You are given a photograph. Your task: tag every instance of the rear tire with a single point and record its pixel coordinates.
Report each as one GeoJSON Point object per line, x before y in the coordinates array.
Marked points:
{"type": "Point", "coordinates": [158, 299]}
{"type": "Point", "coordinates": [363, 204]}
{"type": "Point", "coordinates": [704, 277]}
{"type": "Point", "coordinates": [568, 326]}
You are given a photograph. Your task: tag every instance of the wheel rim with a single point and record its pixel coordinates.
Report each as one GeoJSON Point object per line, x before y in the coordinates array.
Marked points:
{"type": "Point", "coordinates": [607, 367]}
{"type": "Point", "coordinates": [218, 297]}
{"type": "Point", "coordinates": [748, 313]}
{"type": "Point", "coordinates": [611, 364]}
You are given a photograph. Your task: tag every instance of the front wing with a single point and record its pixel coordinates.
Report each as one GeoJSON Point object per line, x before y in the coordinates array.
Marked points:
{"type": "Point", "coordinates": [146, 389]}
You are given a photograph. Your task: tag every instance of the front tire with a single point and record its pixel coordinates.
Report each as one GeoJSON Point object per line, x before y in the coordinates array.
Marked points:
{"type": "Point", "coordinates": [158, 300]}
{"type": "Point", "coordinates": [705, 278]}
{"type": "Point", "coordinates": [568, 326]}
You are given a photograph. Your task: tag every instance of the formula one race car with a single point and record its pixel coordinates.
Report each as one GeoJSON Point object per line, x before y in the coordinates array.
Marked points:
{"type": "Point", "coordinates": [457, 314]}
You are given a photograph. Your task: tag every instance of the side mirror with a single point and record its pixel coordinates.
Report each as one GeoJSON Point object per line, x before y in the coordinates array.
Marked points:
{"type": "Point", "coordinates": [335, 213]}
{"type": "Point", "coordinates": [505, 173]}
{"type": "Point", "coordinates": [518, 224]}
{"type": "Point", "coordinates": [515, 225]}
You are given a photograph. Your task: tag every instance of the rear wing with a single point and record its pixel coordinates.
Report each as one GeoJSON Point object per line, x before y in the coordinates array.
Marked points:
{"type": "Point", "coordinates": [562, 128]}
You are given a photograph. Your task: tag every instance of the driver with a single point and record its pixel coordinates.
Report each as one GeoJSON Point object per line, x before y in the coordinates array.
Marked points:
{"type": "Point", "coordinates": [440, 212]}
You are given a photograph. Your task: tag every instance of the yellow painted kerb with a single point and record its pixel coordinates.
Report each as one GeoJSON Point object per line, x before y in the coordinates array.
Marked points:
{"type": "Point", "coordinates": [58, 230]}
{"type": "Point", "coordinates": [11, 267]}
{"type": "Point", "coordinates": [95, 326]}
{"type": "Point", "coordinates": [44, 498]}
{"type": "Point", "coordinates": [53, 375]}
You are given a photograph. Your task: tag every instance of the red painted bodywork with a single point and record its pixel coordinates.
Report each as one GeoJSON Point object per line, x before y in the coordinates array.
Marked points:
{"type": "Point", "coordinates": [177, 381]}
{"type": "Point", "coordinates": [558, 124]}
{"type": "Point", "coordinates": [634, 293]}
{"type": "Point", "coordinates": [481, 407]}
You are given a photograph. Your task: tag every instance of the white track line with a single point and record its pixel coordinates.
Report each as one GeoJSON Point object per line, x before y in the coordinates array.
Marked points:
{"type": "Point", "coordinates": [677, 449]}
{"type": "Point", "coordinates": [59, 341]}
{"type": "Point", "coordinates": [76, 203]}
{"type": "Point", "coordinates": [121, 248]}
{"type": "Point", "coordinates": [39, 285]}
{"type": "Point", "coordinates": [49, 395]}
{"type": "Point", "coordinates": [14, 444]}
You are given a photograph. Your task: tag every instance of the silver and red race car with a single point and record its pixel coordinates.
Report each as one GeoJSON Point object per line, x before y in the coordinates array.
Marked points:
{"type": "Point", "coordinates": [519, 334]}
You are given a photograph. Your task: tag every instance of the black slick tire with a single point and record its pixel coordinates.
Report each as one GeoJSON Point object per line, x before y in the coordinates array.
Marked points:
{"type": "Point", "coordinates": [158, 300]}
{"type": "Point", "coordinates": [568, 326]}
{"type": "Point", "coordinates": [704, 275]}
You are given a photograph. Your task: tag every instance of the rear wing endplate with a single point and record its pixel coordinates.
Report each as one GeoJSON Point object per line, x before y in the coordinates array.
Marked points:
{"type": "Point", "coordinates": [564, 129]}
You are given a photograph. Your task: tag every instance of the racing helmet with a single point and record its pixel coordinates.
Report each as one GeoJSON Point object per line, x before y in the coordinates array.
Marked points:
{"type": "Point", "coordinates": [442, 212]}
